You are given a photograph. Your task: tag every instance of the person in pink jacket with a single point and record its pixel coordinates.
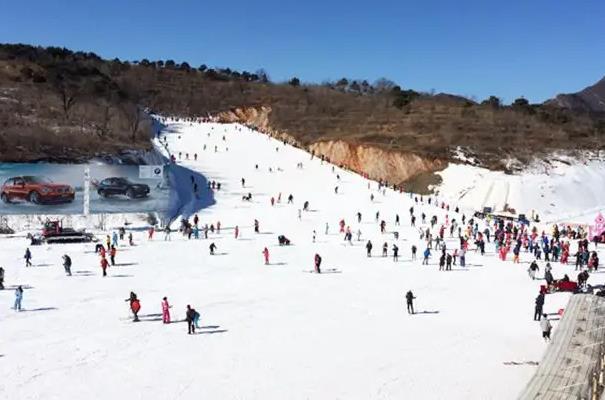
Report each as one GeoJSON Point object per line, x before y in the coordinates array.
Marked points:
{"type": "Point", "coordinates": [165, 311]}
{"type": "Point", "coordinates": [266, 255]}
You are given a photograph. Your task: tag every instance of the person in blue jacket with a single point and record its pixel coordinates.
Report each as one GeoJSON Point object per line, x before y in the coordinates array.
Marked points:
{"type": "Point", "coordinates": [18, 298]}
{"type": "Point", "coordinates": [427, 254]}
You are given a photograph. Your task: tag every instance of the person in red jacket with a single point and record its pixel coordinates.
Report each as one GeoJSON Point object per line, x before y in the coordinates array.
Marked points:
{"type": "Point", "coordinates": [266, 255]}
{"type": "Point", "coordinates": [112, 255]}
{"type": "Point", "coordinates": [165, 311]}
{"type": "Point", "coordinates": [151, 232]}
{"type": "Point", "coordinates": [104, 265]}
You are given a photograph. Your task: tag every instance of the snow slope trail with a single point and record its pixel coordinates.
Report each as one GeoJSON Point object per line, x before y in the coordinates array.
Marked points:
{"type": "Point", "coordinates": [270, 331]}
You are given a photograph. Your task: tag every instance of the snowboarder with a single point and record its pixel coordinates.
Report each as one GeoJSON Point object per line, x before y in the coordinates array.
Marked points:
{"type": "Point", "coordinates": [18, 298]}
{"type": "Point", "coordinates": [190, 317]}
{"type": "Point", "coordinates": [317, 261]}
{"type": "Point", "coordinates": [546, 328]}
{"type": "Point", "coordinates": [67, 264]}
{"type": "Point", "coordinates": [165, 311]}
{"type": "Point", "coordinates": [369, 248]}
{"type": "Point", "coordinates": [212, 247]}
{"type": "Point", "coordinates": [28, 257]}
{"type": "Point", "coordinates": [266, 255]}
{"type": "Point", "coordinates": [409, 297]}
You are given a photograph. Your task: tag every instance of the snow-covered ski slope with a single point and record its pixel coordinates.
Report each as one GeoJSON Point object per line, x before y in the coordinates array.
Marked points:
{"type": "Point", "coordinates": [270, 331]}
{"type": "Point", "coordinates": [569, 191]}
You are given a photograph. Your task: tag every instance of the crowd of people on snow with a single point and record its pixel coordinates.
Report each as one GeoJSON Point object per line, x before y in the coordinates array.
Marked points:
{"type": "Point", "coordinates": [469, 235]}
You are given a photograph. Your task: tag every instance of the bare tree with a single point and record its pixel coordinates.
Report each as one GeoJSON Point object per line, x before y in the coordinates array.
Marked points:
{"type": "Point", "coordinates": [68, 96]}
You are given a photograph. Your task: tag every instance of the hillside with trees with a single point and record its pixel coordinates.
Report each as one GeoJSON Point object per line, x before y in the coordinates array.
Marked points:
{"type": "Point", "coordinates": [63, 105]}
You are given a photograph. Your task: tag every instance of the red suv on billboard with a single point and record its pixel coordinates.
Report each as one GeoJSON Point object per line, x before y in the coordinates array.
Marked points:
{"type": "Point", "coordinates": [36, 189]}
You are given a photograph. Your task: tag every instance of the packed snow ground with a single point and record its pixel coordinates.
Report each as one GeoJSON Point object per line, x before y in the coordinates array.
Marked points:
{"type": "Point", "coordinates": [570, 191]}
{"type": "Point", "coordinates": [270, 332]}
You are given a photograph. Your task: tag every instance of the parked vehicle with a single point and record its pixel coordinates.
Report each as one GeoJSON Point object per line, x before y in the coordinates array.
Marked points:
{"type": "Point", "coordinates": [122, 186]}
{"type": "Point", "coordinates": [36, 189]}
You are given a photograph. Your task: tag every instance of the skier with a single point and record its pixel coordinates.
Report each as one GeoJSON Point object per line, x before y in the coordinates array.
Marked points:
{"type": "Point", "coordinates": [539, 305]}
{"type": "Point", "coordinates": [236, 231]}
{"type": "Point", "coordinates": [18, 298]}
{"type": "Point", "coordinates": [130, 239]}
{"type": "Point", "coordinates": [190, 317]}
{"type": "Point", "coordinates": [327, 228]}
{"type": "Point", "coordinates": [114, 239]}
{"type": "Point", "coordinates": [165, 311]}
{"type": "Point", "coordinates": [1, 278]}
{"type": "Point", "coordinates": [112, 255]}
{"type": "Point", "coordinates": [385, 249]}
{"type": "Point", "coordinates": [256, 226]}
{"type": "Point", "coordinates": [317, 261]}
{"type": "Point", "coordinates": [427, 254]}
{"type": "Point", "coordinates": [369, 248]}
{"type": "Point", "coordinates": [409, 297]}
{"type": "Point", "coordinates": [28, 257]}
{"type": "Point", "coordinates": [266, 255]}
{"type": "Point", "coordinates": [414, 249]}
{"type": "Point", "coordinates": [395, 253]}
{"type": "Point", "coordinates": [135, 305]}
{"type": "Point", "coordinates": [546, 328]}
{"type": "Point", "coordinates": [314, 235]}
{"type": "Point", "coordinates": [67, 264]}
{"type": "Point", "coordinates": [212, 247]}
{"type": "Point", "coordinates": [104, 265]}
{"type": "Point", "coordinates": [167, 232]}
{"type": "Point", "coordinates": [448, 262]}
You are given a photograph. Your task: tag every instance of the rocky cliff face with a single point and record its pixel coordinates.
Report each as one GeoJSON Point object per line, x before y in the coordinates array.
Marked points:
{"type": "Point", "coordinates": [375, 162]}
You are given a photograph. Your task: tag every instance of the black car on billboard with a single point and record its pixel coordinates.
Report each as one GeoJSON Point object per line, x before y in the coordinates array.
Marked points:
{"type": "Point", "coordinates": [36, 189]}
{"type": "Point", "coordinates": [122, 187]}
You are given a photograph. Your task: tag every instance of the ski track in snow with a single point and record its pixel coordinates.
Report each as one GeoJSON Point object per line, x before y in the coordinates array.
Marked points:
{"type": "Point", "coordinates": [271, 332]}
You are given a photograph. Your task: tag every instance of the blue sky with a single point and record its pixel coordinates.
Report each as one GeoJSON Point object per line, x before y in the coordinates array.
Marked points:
{"type": "Point", "coordinates": [531, 48]}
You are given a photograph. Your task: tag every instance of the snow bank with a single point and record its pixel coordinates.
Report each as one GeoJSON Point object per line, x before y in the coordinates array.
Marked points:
{"type": "Point", "coordinates": [559, 192]}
